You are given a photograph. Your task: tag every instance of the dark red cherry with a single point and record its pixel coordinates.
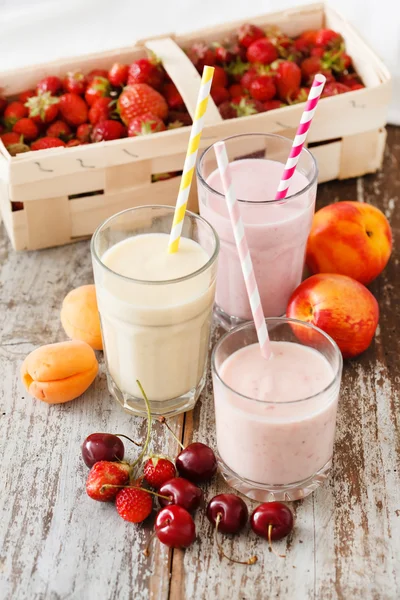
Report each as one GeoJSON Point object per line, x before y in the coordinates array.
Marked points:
{"type": "Point", "coordinates": [102, 446]}
{"type": "Point", "coordinates": [175, 527]}
{"type": "Point", "coordinates": [232, 511]}
{"type": "Point", "coordinates": [272, 520]}
{"type": "Point", "coordinates": [182, 492]}
{"type": "Point", "coordinates": [196, 462]}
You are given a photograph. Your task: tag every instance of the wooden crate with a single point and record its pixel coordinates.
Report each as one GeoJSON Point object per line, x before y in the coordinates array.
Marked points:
{"type": "Point", "coordinates": [67, 193]}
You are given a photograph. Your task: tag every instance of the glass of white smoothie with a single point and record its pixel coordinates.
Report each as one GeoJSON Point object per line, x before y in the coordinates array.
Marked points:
{"type": "Point", "coordinates": [276, 230]}
{"type": "Point", "coordinates": [276, 418]}
{"type": "Point", "coordinates": [155, 307]}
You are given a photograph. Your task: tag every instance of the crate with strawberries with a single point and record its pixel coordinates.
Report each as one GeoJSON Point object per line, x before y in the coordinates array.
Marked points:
{"type": "Point", "coordinates": [256, 70]}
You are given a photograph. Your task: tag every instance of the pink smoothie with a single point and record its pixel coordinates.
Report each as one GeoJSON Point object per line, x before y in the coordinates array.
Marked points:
{"type": "Point", "coordinates": [271, 438]}
{"type": "Point", "coordinates": [276, 232]}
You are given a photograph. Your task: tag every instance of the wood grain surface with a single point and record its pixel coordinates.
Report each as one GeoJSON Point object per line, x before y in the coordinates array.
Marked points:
{"type": "Point", "coordinates": [57, 544]}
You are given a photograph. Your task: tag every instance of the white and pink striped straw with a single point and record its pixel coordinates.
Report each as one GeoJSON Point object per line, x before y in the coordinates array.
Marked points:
{"type": "Point", "coordinates": [243, 249]}
{"type": "Point", "coordinates": [301, 134]}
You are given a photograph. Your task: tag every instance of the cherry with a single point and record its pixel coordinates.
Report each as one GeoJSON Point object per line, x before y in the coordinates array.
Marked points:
{"type": "Point", "coordinates": [102, 446]}
{"type": "Point", "coordinates": [272, 521]}
{"type": "Point", "coordinates": [182, 492]}
{"type": "Point", "coordinates": [229, 514]}
{"type": "Point", "coordinates": [175, 527]}
{"type": "Point", "coordinates": [196, 462]}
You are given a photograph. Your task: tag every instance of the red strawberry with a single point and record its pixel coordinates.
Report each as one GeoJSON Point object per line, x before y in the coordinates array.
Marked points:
{"type": "Point", "coordinates": [263, 88]}
{"type": "Point", "coordinates": [46, 142]}
{"type": "Point", "coordinates": [220, 78]}
{"type": "Point", "coordinates": [201, 55]}
{"type": "Point", "coordinates": [108, 130]}
{"type": "Point", "coordinates": [302, 46]}
{"type": "Point", "coordinates": [273, 104]}
{"type": "Point", "coordinates": [287, 80]}
{"type": "Point", "coordinates": [313, 65]}
{"type": "Point", "coordinates": [118, 74]}
{"type": "Point", "coordinates": [3, 104]}
{"type": "Point", "coordinates": [133, 504]}
{"type": "Point", "coordinates": [28, 128]}
{"type": "Point", "coordinates": [227, 110]}
{"type": "Point", "coordinates": [309, 36]}
{"type": "Point", "coordinates": [357, 86]}
{"type": "Point", "coordinates": [24, 96]}
{"type": "Point", "coordinates": [96, 73]}
{"type": "Point", "coordinates": [247, 34]}
{"type": "Point", "coordinates": [179, 116]}
{"type": "Point", "coordinates": [262, 51]}
{"type": "Point", "coordinates": [11, 138]}
{"type": "Point", "coordinates": [327, 38]}
{"type": "Point", "coordinates": [333, 88]}
{"type": "Point", "coordinates": [301, 95]}
{"type": "Point", "coordinates": [101, 110]}
{"type": "Point", "coordinates": [73, 109]}
{"type": "Point", "coordinates": [138, 99]}
{"type": "Point", "coordinates": [248, 77]}
{"type": "Point", "coordinates": [220, 95]}
{"type": "Point", "coordinates": [236, 89]}
{"type": "Point", "coordinates": [222, 54]}
{"type": "Point", "coordinates": [50, 84]}
{"type": "Point", "coordinates": [146, 71]}
{"type": "Point", "coordinates": [74, 82]}
{"type": "Point", "coordinates": [245, 106]}
{"type": "Point", "coordinates": [13, 113]}
{"type": "Point", "coordinates": [347, 61]}
{"type": "Point", "coordinates": [43, 108]}
{"type": "Point", "coordinates": [157, 470]}
{"type": "Point", "coordinates": [59, 129]}
{"type": "Point", "coordinates": [145, 124]}
{"type": "Point", "coordinates": [106, 473]}
{"type": "Point", "coordinates": [172, 96]}
{"type": "Point", "coordinates": [83, 133]}
{"type": "Point", "coordinates": [349, 79]}
{"type": "Point", "coordinates": [72, 143]}
{"type": "Point", "coordinates": [97, 88]}
{"type": "Point", "coordinates": [318, 51]}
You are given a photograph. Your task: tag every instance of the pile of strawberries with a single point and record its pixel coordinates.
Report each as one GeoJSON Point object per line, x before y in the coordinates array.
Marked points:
{"type": "Point", "coordinates": [255, 71]}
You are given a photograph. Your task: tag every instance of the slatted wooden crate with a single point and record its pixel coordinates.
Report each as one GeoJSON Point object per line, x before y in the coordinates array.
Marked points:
{"type": "Point", "coordinates": [67, 192]}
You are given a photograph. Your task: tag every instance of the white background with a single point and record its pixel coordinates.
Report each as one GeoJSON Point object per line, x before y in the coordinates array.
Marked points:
{"type": "Point", "coordinates": [39, 30]}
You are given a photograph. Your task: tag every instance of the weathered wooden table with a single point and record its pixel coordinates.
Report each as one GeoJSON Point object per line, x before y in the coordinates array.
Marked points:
{"type": "Point", "coordinates": [57, 544]}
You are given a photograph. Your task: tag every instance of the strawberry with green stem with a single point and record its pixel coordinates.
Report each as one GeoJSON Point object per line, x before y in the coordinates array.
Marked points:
{"type": "Point", "coordinates": [13, 113]}
{"type": "Point", "coordinates": [148, 71]}
{"type": "Point", "coordinates": [45, 143]}
{"type": "Point", "coordinates": [28, 128]}
{"type": "Point", "coordinates": [97, 88]}
{"type": "Point", "coordinates": [74, 82]}
{"type": "Point", "coordinates": [43, 108]}
{"type": "Point", "coordinates": [145, 124]}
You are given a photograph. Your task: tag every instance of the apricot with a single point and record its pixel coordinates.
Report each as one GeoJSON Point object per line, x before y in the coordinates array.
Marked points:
{"type": "Point", "coordinates": [58, 373]}
{"type": "Point", "coordinates": [80, 316]}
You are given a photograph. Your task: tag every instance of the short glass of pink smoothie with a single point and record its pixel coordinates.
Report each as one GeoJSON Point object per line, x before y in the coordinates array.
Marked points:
{"type": "Point", "coordinates": [276, 231]}
{"type": "Point", "coordinates": [276, 418]}
{"type": "Point", "coordinates": [155, 308]}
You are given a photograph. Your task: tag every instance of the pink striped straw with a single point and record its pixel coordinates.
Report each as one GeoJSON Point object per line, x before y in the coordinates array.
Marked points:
{"type": "Point", "coordinates": [301, 134]}
{"type": "Point", "coordinates": [243, 249]}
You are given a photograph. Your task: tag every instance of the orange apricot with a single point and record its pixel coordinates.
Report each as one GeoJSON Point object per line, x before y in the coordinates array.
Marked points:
{"type": "Point", "coordinates": [80, 316]}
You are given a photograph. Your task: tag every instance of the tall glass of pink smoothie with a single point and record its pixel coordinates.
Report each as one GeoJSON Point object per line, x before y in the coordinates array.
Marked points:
{"type": "Point", "coordinates": [276, 231]}
{"type": "Point", "coordinates": [276, 418]}
{"type": "Point", "coordinates": [155, 307]}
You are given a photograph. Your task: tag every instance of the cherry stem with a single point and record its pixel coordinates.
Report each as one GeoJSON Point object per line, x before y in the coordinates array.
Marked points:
{"type": "Point", "coordinates": [146, 551]}
{"type": "Point", "coordinates": [251, 561]}
{"type": "Point", "coordinates": [135, 487]}
{"type": "Point", "coordinates": [147, 440]}
{"type": "Point", "coordinates": [271, 548]}
{"type": "Point", "coordinates": [163, 420]}
{"type": "Point", "coordinates": [128, 438]}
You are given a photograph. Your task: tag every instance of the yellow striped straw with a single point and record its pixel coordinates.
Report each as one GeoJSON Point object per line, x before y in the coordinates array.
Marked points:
{"type": "Point", "coordinates": [190, 160]}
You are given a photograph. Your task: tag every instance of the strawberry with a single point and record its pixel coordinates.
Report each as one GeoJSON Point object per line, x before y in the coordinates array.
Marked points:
{"type": "Point", "coordinates": [262, 51]}
{"type": "Point", "coordinates": [3, 104]}
{"type": "Point", "coordinates": [262, 88]}
{"type": "Point", "coordinates": [302, 46]}
{"type": "Point", "coordinates": [157, 470]}
{"type": "Point", "coordinates": [145, 124]}
{"type": "Point", "coordinates": [84, 132]}
{"type": "Point", "coordinates": [201, 55]}
{"type": "Point", "coordinates": [72, 143]}
{"type": "Point", "coordinates": [313, 65]}
{"type": "Point", "coordinates": [59, 129]}
{"type": "Point", "coordinates": [43, 108]}
{"type": "Point", "coordinates": [28, 128]}
{"type": "Point", "coordinates": [235, 89]}
{"type": "Point", "coordinates": [47, 142]}
{"type": "Point", "coordinates": [118, 74]}
{"type": "Point", "coordinates": [247, 34]}
{"type": "Point", "coordinates": [333, 88]}
{"type": "Point", "coordinates": [179, 116]}
{"type": "Point", "coordinates": [74, 82]}
{"type": "Point", "coordinates": [146, 71]}
{"type": "Point", "coordinates": [11, 138]}
{"type": "Point", "coordinates": [349, 79]}
{"type": "Point", "coordinates": [106, 473]}
{"type": "Point", "coordinates": [318, 51]}
{"type": "Point", "coordinates": [172, 96]}
{"type": "Point", "coordinates": [309, 36]}
{"type": "Point", "coordinates": [220, 95]}
{"type": "Point", "coordinates": [24, 96]}
{"type": "Point", "coordinates": [357, 86]}
{"type": "Point", "coordinates": [97, 88]}
{"type": "Point", "coordinates": [101, 110]}
{"type": "Point", "coordinates": [108, 130]}
{"type": "Point", "coordinates": [282, 42]}
{"type": "Point", "coordinates": [219, 79]}
{"type": "Point", "coordinates": [273, 104]}
{"type": "Point", "coordinates": [248, 77]}
{"type": "Point", "coordinates": [222, 54]}
{"type": "Point", "coordinates": [245, 106]}
{"type": "Point", "coordinates": [96, 73]}
{"type": "Point", "coordinates": [133, 504]}
{"type": "Point", "coordinates": [347, 61]}
{"type": "Point", "coordinates": [73, 109]}
{"type": "Point", "coordinates": [138, 99]}
{"type": "Point", "coordinates": [227, 110]}
{"type": "Point", "coordinates": [50, 84]}
{"type": "Point", "coordinates": [301, 95]}
{"type": "Point", "coordinates": [237, 69]}
{"type": "Point", "coordinates": [327, 38]}
{"type": "Point", "coordinates": [287, 80]}
{"type": "Point", "coordinates": [13, 113]}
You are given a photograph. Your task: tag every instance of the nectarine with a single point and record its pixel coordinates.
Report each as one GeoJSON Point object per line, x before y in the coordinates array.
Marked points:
{"type": "Point", "coordinates": [340, 306]}
{"type": "Point", "coordinates": [350, 238]}
{"type": "Point", "coordinates": [80, 316]}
